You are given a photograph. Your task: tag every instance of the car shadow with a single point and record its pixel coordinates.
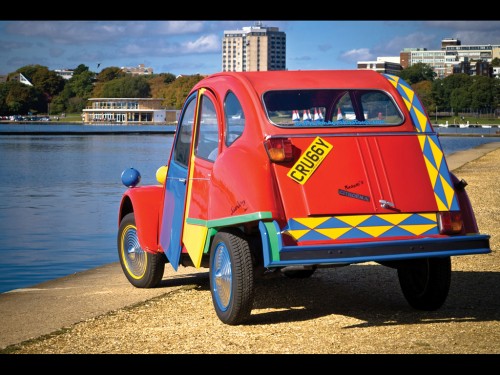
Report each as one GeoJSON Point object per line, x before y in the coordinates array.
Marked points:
{"type": "Point", "coordinates": [371, 294]}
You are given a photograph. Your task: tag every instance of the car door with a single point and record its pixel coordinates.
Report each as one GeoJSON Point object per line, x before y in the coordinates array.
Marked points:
{"type": "Point", "coordinates": [195, 149]}
{"type": "Point", "coordinates": [176, 183]}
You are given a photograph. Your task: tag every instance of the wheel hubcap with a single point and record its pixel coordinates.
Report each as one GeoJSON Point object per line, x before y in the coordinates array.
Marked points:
{"type": "Point", "coordinates": [133, 255]}
{"type": "Point", "coordinates": [222, 278]}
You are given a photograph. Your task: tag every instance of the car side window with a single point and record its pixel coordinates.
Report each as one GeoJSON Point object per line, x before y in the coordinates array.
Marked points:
{"type": "Point", "coordinates": [235, 118]}
{"type": "Point", "coordinates": [183, 142]}
{"type": "Point", "coordinates": [207, 143]}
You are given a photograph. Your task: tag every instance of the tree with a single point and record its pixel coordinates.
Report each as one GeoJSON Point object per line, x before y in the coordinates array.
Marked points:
{"type": "Point", "coordinates": [109, 74]}
{"type": "Point", "coordinates": [495, 62]}
{"type": "Point", "coordinates": [417, 72]}
{"type": "Point", "coordinates": [176, 93]}
{"type": "Point", "coordinates": [484, 93]}
{"type": "Point", "coordinates": [460, 99]}
{"type": "Point", "coordinates": [424, 92]}
{"type": "Point", "coordinates": [442, 89]}
{"type": "Point", "coordinates": [80, 69]}
{"type": "Point", "coordinates": [126, 87]}
{"type": "Point", "coordinates": [18, 98]}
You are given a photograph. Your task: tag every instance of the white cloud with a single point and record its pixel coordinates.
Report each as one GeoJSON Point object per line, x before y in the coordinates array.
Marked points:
{"type": "Point", "coordinates": [204, 44]}
{"type": "Point", "coordinates": [360, 54]}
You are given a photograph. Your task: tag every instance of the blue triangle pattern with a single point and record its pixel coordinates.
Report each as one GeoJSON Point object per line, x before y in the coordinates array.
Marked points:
{"type": "Point", "coordinates": [333, 222]}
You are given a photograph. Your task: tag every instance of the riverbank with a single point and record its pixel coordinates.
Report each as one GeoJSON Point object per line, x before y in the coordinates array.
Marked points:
{"type": "Point", "coordinates": [356, 309]}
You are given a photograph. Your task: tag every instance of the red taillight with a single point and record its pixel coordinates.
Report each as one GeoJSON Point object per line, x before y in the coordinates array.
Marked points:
{"type": "Point", "coordinates": [279, 149]}
{"type": "Point", "coordinates": [450, 222]}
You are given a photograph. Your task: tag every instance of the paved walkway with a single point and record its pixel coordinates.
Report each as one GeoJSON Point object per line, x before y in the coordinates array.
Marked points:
{"type": "Point", "coordinates": [47, 307]}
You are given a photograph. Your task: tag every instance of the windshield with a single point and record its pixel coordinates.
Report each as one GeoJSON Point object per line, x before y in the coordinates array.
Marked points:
{"type": "Point", "coordinates": [327, 107]}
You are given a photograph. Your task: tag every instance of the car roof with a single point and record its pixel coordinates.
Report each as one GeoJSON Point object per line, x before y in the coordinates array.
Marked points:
{"type": "Point", "coordinates": [263, 81]}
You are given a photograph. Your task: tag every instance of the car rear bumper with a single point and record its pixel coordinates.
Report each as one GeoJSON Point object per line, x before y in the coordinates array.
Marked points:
{"type": "Point", "coordinates": [277, 255]}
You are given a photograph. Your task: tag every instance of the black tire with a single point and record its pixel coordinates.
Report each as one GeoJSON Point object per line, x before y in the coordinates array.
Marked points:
{"type": "Point", "coordinates": [142, 269]}
{"type": "Point", "coordinates": [425, 283]}
{"type": "Point", "coordinates": [231, 277]}
{"type": "Point", "coordinates": [299, 274]}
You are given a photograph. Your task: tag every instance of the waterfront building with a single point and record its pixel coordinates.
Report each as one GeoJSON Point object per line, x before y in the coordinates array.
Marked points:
{"type": "Point", "coordinates": [65, 73]}
{"type": "Point", "coordinates": [254, 48]}
{"type": "Point", "coordinates": [138, 70]}
{"type": "Point", "coordinates": [132, 111]}
{"type": "Point", "coordinates": [454, 57]}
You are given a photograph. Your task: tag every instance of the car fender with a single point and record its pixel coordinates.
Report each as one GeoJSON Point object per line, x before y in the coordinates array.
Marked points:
{"type": "Point", "coordinates": [145, 202]}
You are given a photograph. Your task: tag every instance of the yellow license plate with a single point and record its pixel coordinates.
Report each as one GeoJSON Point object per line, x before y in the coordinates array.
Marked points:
{"type": "Point", "coordinates": [310, 160]}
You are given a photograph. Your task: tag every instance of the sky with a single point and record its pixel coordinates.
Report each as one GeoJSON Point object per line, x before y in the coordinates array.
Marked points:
{"type": "Point", "coordinates": [194, 46]}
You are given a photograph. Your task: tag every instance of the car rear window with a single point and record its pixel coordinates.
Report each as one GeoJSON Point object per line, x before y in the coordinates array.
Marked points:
{"type": "Point", "coordinates": [328, 107]}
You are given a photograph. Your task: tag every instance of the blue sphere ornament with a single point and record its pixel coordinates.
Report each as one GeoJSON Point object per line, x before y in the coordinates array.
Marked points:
{"type": "Point", "coordinates": [131, 177]}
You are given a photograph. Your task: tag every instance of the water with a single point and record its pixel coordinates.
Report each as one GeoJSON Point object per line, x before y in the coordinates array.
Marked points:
{"type": "Point", "coordinates": [61, 194]}
{"type": "Point", "coordinates": [60, 199]}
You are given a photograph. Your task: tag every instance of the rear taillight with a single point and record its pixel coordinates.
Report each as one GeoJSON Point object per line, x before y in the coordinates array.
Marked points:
{"type": "Point", "coordinates": [279, 149]}
{"type": "Point", "coordinates": [450, 222]}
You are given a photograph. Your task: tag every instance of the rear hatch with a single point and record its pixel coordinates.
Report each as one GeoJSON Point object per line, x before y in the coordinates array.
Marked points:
{"type": "Point", "coordinates": [380, 180]}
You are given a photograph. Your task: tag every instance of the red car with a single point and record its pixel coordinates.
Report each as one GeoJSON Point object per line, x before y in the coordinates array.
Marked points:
{"type": "Point", "coordinates": [293, 170]}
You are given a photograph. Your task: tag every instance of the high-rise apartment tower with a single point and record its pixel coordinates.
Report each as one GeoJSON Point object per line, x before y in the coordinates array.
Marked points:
{"type": "Point", "coordinates": [254, 48]}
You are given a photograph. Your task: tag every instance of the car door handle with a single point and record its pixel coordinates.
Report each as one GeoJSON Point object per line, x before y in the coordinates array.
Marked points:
{"type": "Point", "coordinates": [183, 180]}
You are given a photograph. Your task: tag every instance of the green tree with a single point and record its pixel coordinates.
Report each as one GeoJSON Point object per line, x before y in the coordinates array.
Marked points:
{"type": "Point", "coordinates": [460, 99]}
{"type": "Point", "coordinates": [424, 92]}
{"type": "Point", "coordinates": [484, 93]}
{"type": "Point", "coordinates": [417, 72]}
{"type": "Point", "coordinates": [109, 74]}
{"type": "Point", "coordinates": [127, 87]}
{"type": "Point", "coordinates": [20, 99]}
{"type": "Point", "coordinates": [443, 89]}
{"type": "Point", "coordinates": [495, 62]}
{"type": "Point", "coordinates": [80, 69]}
{"type": "Point", "coordinates": [176, 93]}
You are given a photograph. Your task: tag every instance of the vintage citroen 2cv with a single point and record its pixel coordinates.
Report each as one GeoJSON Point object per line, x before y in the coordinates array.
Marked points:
{"type": "Point", "coordinates": [288, 171]}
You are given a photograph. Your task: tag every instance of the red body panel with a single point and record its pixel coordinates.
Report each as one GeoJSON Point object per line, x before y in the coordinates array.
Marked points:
{"type": "Point", "coordinates": [146, 203]}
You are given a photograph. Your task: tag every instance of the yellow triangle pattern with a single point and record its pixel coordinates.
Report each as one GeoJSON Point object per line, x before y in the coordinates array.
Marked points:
{"type": "Point", "coordinates": [418, 229]}
{"type": "Point", "coordinates": [437, 153]}
{"type": "Point", "coordinates": [422, 120]}
{"type": "Point", "coordinates": [408, 92]}
{"type": "Point", "coordinates": [408, 104]}
{"type": "Point", "coordinates": [421, 140]}
{"type": "Point", "coordinates": [193, 238]}
{"type": "Point", "coordinates": [312, 222]}
{"type": "Point", "coordinates": [353, 220]}
{"type": "Point", "coordinates": [431, 217]}
{"type": "Point", "coordinates": [394, 82]}
{"type": "Point", "coordinates": [433, 172]}
{"type": "Point", "coordinates": [297, 233]}
{"type": "Point", "coordinates": [394, 219]}
{"type": "Point", "coordinates": [376, 231]}
{"type": "Point", "coordinates": [448, 191]}
{"type": "Point", "coordinates": [440, 204]}
{"type": "Point", "coordinates": [333, 233]}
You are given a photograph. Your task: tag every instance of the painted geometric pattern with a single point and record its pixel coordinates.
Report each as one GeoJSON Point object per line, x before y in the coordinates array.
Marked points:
{"type": "Point", "coordinates": [437, 169]}
{"type": "Point", "coordinates": [361, 226]}
{"type": "Point", "coordinates": [412, 103]}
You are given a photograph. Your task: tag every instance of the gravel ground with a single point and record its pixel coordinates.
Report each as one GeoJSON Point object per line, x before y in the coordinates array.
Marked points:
{"type": "Point", "coordinates": [356, 309]}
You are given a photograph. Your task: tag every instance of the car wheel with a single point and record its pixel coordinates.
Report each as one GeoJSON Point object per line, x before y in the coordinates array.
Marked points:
{"type": "Point", "coordinates": [231, 277]}
{"type": "Point", "coordinates": [299, 274]}
{"type": "Point", "coordinates": [425, 282]}
{"type": "Point", "coordinates": [142, 269]}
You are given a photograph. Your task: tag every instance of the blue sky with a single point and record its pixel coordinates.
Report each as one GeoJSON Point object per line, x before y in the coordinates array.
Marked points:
{"type": "Point", "coordinates": [194, 46]}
